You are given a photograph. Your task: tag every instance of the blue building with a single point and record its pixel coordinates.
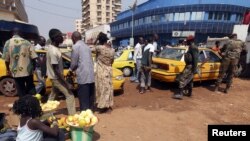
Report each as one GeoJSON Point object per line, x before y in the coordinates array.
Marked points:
{"type": "Point", "coordinates": [173, 20]}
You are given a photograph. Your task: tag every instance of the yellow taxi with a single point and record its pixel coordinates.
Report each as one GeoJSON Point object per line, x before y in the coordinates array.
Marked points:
{"type": "Point", "coordinates": [8, 87]}
{"type": "Point", "coordinates": [124, 61]}
{"type": "Point", "coordinates": [170, 62]}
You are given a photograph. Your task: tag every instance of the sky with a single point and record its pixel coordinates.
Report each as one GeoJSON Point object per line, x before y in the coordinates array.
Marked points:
{"type": "Point", "coordinates": [60, 14]}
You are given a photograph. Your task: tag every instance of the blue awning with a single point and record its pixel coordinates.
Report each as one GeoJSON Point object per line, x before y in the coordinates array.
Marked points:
{"type": "Point", "coordinates": [8, 26]}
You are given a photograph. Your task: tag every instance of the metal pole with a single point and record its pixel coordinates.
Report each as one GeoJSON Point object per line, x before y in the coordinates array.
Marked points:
{"type": "Point", "coordinates": [132, 24]}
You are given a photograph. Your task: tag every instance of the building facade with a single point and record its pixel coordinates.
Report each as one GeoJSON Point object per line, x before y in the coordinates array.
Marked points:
{"type": "Point", "coordinates": [12, 10]}
{"type": "Point", "coordinates": [98, 12]}
{"type": "Point", "coordinates": [173, 20]}
{"type": "Point", "coordinates": [79, 25]}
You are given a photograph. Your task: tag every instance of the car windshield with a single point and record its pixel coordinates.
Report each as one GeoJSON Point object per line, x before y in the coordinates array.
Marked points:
{"type": "Point", "coordinates": [118, 54]}
{"type": "Point", "coordinates": [172, 53]}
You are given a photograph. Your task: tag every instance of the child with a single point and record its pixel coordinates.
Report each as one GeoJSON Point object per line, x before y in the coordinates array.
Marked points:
{"type": "Point", "coordinates": [30, 127]}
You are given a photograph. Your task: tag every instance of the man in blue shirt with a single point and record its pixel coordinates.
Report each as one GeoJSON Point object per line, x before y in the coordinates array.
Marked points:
{"type": "Point", "coordinates": [82, 63]}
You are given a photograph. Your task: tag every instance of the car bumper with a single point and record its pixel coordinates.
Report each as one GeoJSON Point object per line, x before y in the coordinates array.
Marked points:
{"type": "Point", "coordinates": [118, 84]}
{"type": "Point", "coordinates": [163, 76]}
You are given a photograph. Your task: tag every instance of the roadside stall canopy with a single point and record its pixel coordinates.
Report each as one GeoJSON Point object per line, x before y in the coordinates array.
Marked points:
{"type": "Point", "coordinates": [28, 31]}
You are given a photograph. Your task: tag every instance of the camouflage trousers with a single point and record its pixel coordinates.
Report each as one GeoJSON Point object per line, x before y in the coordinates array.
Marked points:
{"type": "Point", "coordinates": [185, 79]}
{"type": "Point", "coordinates": [228, 70]}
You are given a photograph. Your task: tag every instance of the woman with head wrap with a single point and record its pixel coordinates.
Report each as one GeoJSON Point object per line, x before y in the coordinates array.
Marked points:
{"type": "Point", "coordinates": [104, 87]}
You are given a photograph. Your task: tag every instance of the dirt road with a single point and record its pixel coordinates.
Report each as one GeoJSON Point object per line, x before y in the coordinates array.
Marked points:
{"type": "Point", "coordinates": [156, 116]}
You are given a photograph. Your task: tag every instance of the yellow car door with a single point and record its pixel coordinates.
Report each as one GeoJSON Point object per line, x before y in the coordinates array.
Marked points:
{"type": "Point", "coordinates": [208, 65]}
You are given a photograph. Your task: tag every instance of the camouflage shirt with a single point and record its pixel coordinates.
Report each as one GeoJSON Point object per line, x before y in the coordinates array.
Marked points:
{"type": "Point", "coordinates": [233, 49]}
{"type": "Point", "coordinates": [19, 53]}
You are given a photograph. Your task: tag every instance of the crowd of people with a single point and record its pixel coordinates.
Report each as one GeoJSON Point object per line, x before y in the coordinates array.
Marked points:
{"type": "Point", "coordinates": [95, 92]}
{"type": "Point", "coordinates": [146, 48]}
{"type": "Point", "coordinates": [95, 89]}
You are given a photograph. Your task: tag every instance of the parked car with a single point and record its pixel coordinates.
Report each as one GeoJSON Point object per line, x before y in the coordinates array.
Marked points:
{"type": "Point", "coordinates": [124, 61]}
{"type": "Point", "coordinates": [8, 86]}
{"type": "Point", "coordinates": [170, 63]}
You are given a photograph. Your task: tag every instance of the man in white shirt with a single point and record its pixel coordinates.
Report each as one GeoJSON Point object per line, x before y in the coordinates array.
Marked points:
{"type": "Point", "coordinates": [55, 71]}
{"type": "Point", "coordinates": [137, 57]}
{"type": "Point", "coordinates": [146, 62]}
{"type": "Point", "coordinates": [155, 44]}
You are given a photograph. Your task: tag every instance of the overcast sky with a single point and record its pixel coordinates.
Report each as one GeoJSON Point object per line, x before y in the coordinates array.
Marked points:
{"type": "Point", "coordinates": [61, 14]}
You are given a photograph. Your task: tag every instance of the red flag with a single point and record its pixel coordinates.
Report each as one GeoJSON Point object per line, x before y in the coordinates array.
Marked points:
{"type": "Point", "coordinates": [246, 19]}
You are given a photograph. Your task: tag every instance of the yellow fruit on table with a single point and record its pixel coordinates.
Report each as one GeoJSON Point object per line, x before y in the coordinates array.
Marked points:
{"type": "Point", "coordinates": [94, 120]}
{"type": "Point", "coordinates": [38, 96]}
{"type": "Point", "coordinates": [82, 123]}
{"type": "Point", "coordinates": [70, 118]}
{"type": "Point", "coordinates": [87, 120]}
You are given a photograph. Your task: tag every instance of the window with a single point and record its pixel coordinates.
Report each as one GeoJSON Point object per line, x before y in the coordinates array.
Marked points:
{"type": "Point", "coordinates": [99, 7]}
{"type": "Point", "coordinates": [212, 57]}
{"type": "Point", "coordinates": [210, 15]}
{"type": "Point", "coordinates": [99, 19]}
{"type": "Point", "coordinates": [201, 57]}
{"type": "Point", "coordinates": [199, 15]}
{"type": "Point", "coordinates": [107, 20]}
{"type": "Point", "coordinates": [136, 22]}
{"type": "Point", "coordinates": [169, 17]}
{"type": "Point", "coordinates": [218, 16]}
{"type": "Point", "coordinates": [181, 17]}
{"type": "Point", "coordinates": [238, 17]}
{"type": "Point", "coordinates": [176, 16]}
{"type": "Point", "coordinates": [131, 55]}
{"type": "Point", "coordinates": [99, 13]}
{"type": "Point", "coordinates": [193, 15]}
{"type": "Point", "coordinates": [140, 21]}
{"type": "Point", "coordinates": [148, 19]}
{"type": "Point", "coordinates": [107, 14]}
{"type": "Point", "coordinates": [227, 16]}
{"type": "Point", "coordinates": [187, 16]}
{"type": "Point", "coordinates": [172, 53]}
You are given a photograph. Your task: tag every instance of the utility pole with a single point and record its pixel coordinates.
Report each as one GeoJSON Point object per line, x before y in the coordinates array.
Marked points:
{"type": "Point", "coordinates": [132, 8]}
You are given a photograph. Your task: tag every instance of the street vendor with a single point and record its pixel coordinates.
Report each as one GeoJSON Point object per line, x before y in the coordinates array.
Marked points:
{"type": "Point", "coordinates": [30, 127]}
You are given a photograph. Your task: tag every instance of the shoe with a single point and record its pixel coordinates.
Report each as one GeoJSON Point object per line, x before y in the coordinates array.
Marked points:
{"type": "Point", "coordinates": [177, 96]}
{"type": "Point", "coordinates": [189, 94]}
{"type": "Point", "coordinates": [142, 90]}
{"type": "Point", "coordinates": [149, 89]}
{"type": "Point", "coordinates": [136, 81]}
{"type": "Point", "coordinates": [216, 89]}
{"type": "Point", "coordinates": [226, 91]}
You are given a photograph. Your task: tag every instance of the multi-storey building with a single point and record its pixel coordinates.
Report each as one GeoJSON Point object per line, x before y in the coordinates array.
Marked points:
{"type": "Point", "coordinates": [79, 25]}
{"type": "Point", "coordinates": [98, 12]}
{"type": "Point", "coordinates": [12, 10]}
{"type": "Point", "coordinates": [173, 20]}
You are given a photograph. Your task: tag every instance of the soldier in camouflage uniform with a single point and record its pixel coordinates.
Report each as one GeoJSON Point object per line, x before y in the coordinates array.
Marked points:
{"type": "Point", "coordinates": [230, 58]}
{"type": "Point", "coordinates": [185, 79]}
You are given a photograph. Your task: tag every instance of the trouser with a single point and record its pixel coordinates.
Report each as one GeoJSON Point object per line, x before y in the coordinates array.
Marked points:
{"type": "Point", "coordinates": [138, 67]}
{"type": "Point", "coordinates": [70, 99]}
{"type": "Point", "coordinates": [41, 82]}
{"type": "Point", "coordinates": [186, 79]}
{"type": "Point", "coordinates": [145, 77]}
{"type": "Point", "coordinates": [86, 96]}
{"type": "Point", "coordinates": [25, 85]}
{"type": "Point", "coordinates": [60, 137]}
{"type": "Point", "coordinates": [228, 69]}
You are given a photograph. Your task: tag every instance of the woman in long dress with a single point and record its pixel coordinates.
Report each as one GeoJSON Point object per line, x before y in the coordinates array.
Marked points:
{"type": "Point", "coordinates": [104, 87]}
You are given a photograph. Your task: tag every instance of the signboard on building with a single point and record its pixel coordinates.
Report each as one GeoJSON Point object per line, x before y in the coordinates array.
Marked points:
{"type": "Point", "coordinates": [182, 33]}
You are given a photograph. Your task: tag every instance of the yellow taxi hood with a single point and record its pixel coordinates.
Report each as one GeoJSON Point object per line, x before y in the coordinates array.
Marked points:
{"type": "Point", "coordinates": [116, 72]}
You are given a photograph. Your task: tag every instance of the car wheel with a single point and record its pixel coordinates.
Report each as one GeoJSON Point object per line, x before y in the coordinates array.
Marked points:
{"type": "Point", "coordinates": [8, 86]}
{"type": "Point", "coordinates": [127, 71]}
